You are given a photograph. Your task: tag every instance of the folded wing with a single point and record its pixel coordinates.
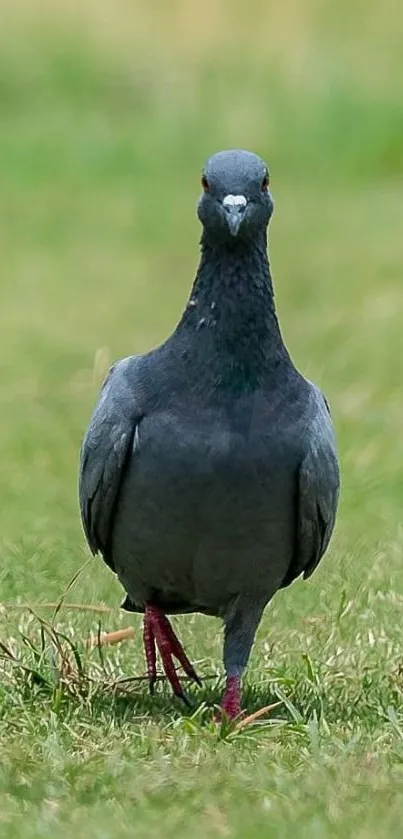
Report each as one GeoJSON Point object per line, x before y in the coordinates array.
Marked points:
{"type": "Point", "coordinates": [110, 441]}
{"type": "Point", "coordinates": [317, 493]}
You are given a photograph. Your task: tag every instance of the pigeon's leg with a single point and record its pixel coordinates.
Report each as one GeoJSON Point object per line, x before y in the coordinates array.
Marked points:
{"type": "Point", "coordinates": [149, 650]}
{"type": "Point", "coordinates": [179, 653]}
{"type": "Point", "coordinates": [241, 624]}
{"type": "Point", "coordinates": [158, 631]}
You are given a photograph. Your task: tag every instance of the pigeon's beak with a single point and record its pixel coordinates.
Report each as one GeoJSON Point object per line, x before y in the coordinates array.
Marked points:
{"type": "Point", "coordinates": [234, 208]}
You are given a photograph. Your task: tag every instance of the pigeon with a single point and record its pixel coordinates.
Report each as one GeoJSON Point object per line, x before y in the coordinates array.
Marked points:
{"type": "Point", "coordinates": [209, 473]}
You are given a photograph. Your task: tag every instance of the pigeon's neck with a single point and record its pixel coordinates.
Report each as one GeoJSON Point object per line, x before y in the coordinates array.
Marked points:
{"type": "Point", "coordinates": [231, 315]}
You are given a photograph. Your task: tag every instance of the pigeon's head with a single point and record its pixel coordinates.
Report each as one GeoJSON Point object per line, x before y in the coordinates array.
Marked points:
{"type": "Point", "coordinates": [235, 203]}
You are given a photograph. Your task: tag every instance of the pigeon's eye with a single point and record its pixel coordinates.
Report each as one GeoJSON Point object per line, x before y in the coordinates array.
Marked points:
{"type": "Point", "coordinates": [205, 183]}
{"type": "Point", "coordinates": [265, 183]}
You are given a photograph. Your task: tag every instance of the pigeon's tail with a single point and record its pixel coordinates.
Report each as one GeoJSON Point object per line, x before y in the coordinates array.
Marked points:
{"type": "Point", "coordinates": [168, 606]}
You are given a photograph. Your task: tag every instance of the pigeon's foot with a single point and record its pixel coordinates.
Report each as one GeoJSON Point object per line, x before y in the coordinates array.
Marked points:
{"type": "Point", "coordinates": [158, 634]}
{"type": "Point", "coordinates": [231, 701]}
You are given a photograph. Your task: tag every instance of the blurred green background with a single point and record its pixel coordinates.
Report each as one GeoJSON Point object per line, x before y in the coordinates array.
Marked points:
{"type": "Point", "coordinates": [107, 112]}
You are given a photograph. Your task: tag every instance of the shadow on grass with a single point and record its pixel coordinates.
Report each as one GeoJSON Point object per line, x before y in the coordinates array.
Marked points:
{"type": "Point", "coordinates": [299, 704]}
{"type": "Point", "coordinates": [163, 705]}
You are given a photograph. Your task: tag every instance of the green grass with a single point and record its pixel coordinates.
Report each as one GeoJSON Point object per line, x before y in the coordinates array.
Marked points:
{"type": "Point", "coordinates": [107, 113]}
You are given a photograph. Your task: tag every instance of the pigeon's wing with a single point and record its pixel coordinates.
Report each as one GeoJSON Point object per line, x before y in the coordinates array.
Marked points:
{"type": "Point", "coordinates": [109, 442]}
{"type": "Point", "coordinates": [317, 493]}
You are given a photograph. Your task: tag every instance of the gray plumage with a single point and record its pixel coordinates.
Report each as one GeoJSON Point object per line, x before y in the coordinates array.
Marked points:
{"type": "Point", "coordinates": [208, 475]}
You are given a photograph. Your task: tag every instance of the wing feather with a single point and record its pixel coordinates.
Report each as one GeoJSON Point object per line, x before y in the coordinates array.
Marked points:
{"type": "Point", "coordinates": [111, 439]}
{"type": "Point", "coordinates": [317, 495]}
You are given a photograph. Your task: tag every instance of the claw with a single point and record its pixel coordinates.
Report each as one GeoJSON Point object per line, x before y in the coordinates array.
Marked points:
{"type": "Point", "coordinates": [185, 699]}
{"type": "Point", "coordinates": [193, 675]}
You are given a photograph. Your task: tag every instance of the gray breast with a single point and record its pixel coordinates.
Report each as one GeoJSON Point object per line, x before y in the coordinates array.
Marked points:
{"type": "Point", "coordinates": [204, 513]}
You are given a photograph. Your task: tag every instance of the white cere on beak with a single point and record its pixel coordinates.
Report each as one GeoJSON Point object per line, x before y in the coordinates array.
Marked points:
{"type": "Point", "coordinates": [234, 201]}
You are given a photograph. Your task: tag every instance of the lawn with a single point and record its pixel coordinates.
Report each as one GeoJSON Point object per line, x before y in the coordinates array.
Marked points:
{"type": "Point", "coordinates": [107, 112]}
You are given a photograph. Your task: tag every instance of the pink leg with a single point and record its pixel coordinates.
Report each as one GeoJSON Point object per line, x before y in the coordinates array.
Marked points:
{"type": "Point", "coordinates": [231, 701]}
{"type": "Point", "coordinates": [179, 653]}
{"type": "Point", "coordinates": [150, 651]}
{"type": "Point", "coordinates": [158, 632]}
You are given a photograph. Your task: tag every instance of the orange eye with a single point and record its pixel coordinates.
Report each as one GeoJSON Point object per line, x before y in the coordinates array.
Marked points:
{"type": "Point", "coordinates": [265, 183]}
{"type": "Point", "coordinates": [205, 183]}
